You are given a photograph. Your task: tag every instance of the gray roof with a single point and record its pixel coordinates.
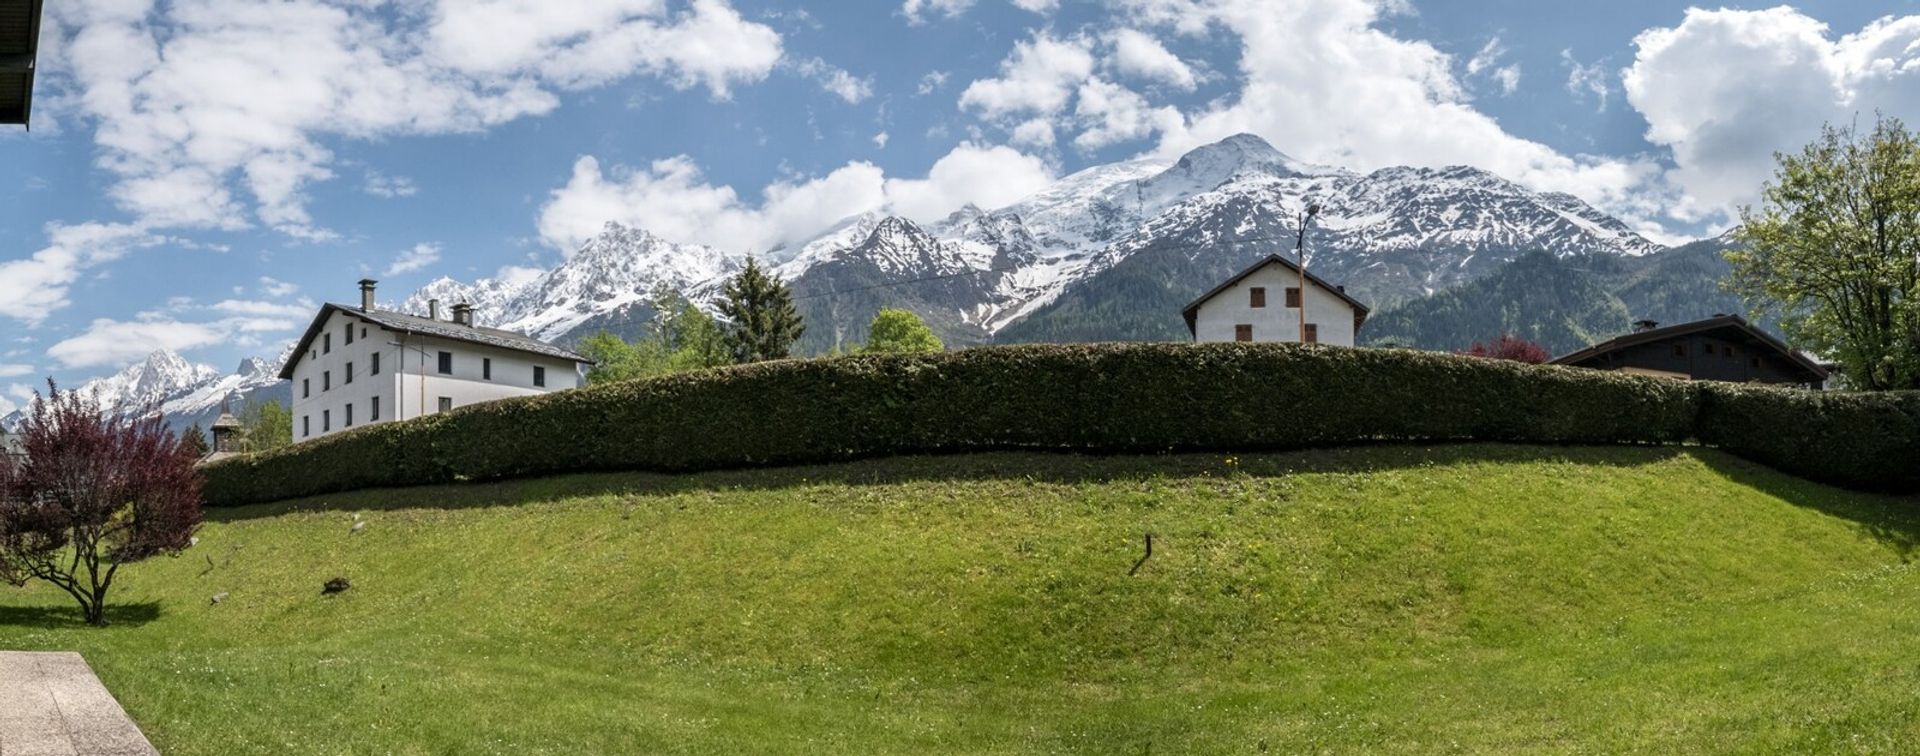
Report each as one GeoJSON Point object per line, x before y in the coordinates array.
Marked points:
{"type": "Point", "coordinates": [404, 323]}
{"type": "Point", "coordinates": [19, 46]}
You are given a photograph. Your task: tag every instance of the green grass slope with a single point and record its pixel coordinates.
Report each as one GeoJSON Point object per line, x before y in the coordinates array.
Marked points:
{"type": "Point", "coordinates": [1389, 599]}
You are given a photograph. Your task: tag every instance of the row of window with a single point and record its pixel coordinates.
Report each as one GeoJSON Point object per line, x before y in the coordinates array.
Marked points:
{"type": "Point", "coordinates": [445, 366]}
{"type": "Point", "coordinates": [1257, 296]}
{"type": "Point", "coordinates": [1244, 332]}
{"type": "Point", "coordinates": [326, 340]}
{"type": "Point", "coordinates": [373, 416]}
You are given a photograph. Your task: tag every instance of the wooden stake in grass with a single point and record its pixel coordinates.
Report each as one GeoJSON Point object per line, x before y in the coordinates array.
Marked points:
{"type": "Point", "coordinates": [1143, 557]}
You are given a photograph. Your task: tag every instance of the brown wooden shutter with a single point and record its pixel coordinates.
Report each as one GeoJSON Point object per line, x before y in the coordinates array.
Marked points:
{"type": "Point", "coordinates": [1313, 333]}
{"type": "Point", "coordinates": [1293, 296]}
{"type": "Point", "coordinates": [1243, 332]}
{"type": "Point", "coordinates": [1257, 296]}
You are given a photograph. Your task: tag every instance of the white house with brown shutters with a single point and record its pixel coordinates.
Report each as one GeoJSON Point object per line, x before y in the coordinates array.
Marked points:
{"type": "Point", "coordinates": [362, 365]}
{"type": "Point", "coordinates": [1263, 303]}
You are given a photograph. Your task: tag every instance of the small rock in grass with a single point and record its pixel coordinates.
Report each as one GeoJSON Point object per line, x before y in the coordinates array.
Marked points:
{"type": "Point", "coordinates": [336, 585]}
{"type": "Point", "coordinates": [358, 525]}
{"type": "Point", "coordinates": [219, 597]}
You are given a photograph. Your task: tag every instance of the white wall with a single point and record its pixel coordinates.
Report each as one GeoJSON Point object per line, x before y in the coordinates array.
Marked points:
{"type": "Point", "coordinates": [403, 390]}
{"type": "Point", "coordinates": [1275, 322]}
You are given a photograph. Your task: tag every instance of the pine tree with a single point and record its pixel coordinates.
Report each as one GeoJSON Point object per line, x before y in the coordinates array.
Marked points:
{"type": "Point", "coordinates": [762, 323]}
{"type": "Point", "coordinates": [195, 440]}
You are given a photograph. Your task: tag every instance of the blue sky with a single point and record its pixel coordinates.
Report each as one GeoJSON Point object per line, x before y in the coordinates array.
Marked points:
{"type": "Point", "coordinates": [201, 172]}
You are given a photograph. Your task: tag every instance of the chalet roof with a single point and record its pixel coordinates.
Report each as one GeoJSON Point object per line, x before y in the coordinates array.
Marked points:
{"type": "Point", "coordinates": [403, 323]}
{"type": "Point", "coordinates": [1732, 323]}
{"type": "Point", "coordinates": [1192, 310]}
{"type": "Point", "coordinates": [19, 47]}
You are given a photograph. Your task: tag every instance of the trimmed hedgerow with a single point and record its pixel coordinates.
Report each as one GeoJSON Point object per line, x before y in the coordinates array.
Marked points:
{"type": "Point", "coordinates": [1859, 440]}
{"type": "Point", "coordinates": [1095, 397]}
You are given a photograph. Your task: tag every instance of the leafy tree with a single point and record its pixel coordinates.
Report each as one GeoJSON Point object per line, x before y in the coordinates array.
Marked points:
{"type": "Point", "coordinates": [196, 441]}
{"type": "Point", "coordinates": [901, 332]}
{"type": "Point", "coordinates": [92, 493]}
{"type": "Point", "coordinates": [1510, 347]}
{"type": "Point", "coordinates": [1835, 250]}
{"type": "Point", "coordinates": [762, 323]}
{"type": "Point", "coordinates": [679, 338]}
{"type": "Point", "coordinates": [265, 425]}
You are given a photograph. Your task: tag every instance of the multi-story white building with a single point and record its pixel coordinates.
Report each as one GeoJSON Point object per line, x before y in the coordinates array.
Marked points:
{"type": "Point", "coordinates": [359, 366]}
{"type": "Point", "coordinates": [1262, 303]}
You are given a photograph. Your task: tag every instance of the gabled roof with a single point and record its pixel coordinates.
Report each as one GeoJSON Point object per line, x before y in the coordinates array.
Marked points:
{"type": "Point", "coordinates": [1734, 322]}
{"type": "Point", "coordinates": [19, 48]}
{"type": "Point", "coordinates": [1192, 310]}
{"type": "Point", "coordinates": [404, 323]}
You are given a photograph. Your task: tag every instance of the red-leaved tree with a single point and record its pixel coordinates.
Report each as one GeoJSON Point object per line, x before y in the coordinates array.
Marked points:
{"type": "Point", "coordinates": [1510, 347]}
{"type": "Point", "coordinates": [89, 494]}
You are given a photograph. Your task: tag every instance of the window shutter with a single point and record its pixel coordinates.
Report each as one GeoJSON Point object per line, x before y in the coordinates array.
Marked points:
{"type": "Point", "coordinates": [1257, 296]}
{"type": "Point", "coordinates": [1313, 333]}
{"type": "Point", "coordinates": [1243, 332]}
{"type": "Point", "coordinates": [1293, 296]}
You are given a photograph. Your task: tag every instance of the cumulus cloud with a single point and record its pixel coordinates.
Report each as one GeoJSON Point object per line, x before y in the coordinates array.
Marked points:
{"type": "Point", "coordinates": [35, 287]}
{"type": "Point", "coordinates": [1725, 89]}
{"type": "Point", "coordinates": [214, 113]}
{"type": "Point", "coordinates": [1111, 113]}
{"type": "Point", "coordinates": [108, 342]}
{"type": "Point", "coordinates": [1038, 78]}
{"type": "Point", "coordinates": [917, 11]}
{"type": "Point", "coordinates": [417, 257]}
{"type": "Point", "coordinates": [672, 198]}
{"type": "Point", "coordinates": [275, 287]}
{"type": "Point", "coordinates": [1136, 53]}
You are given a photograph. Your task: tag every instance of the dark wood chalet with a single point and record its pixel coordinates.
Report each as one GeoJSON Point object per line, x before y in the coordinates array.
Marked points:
{"type": "Point", "coordinates": [1720, 348]}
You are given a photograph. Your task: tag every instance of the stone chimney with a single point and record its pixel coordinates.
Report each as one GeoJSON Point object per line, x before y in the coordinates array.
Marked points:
{"type": "Point", "coordinates": [463, 314]}
{"type": "Point", "coordinates": [366, 294]}
{"type": "Point", "coordinates": [433, 309]}
{"type": "Point", "coordinates": [1644, 325]}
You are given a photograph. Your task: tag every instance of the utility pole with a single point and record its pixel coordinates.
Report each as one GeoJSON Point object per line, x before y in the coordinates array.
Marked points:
{"type": "Point", "coordinates": [1300, 256]}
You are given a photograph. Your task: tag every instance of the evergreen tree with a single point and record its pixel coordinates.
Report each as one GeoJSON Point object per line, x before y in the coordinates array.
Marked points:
{"type": "Point", "coordinates": [762, 323]}
{"type": "Point", "coordinates": [195, 441]}
{"type": "Point", "coordinates": [900, 331]}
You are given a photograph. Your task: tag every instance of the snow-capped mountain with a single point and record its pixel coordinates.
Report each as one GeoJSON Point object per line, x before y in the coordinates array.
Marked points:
{"type": "Point", "coordinates": [1389, 235]}
{"type": "Point", "coordinates": [610, 277]}
{"type": "Point", "coordinates": [184, 392]}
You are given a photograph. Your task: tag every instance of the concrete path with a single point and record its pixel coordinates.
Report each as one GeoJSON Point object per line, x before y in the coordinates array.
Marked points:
{"type": "Point", "coordinates": [52, 705]}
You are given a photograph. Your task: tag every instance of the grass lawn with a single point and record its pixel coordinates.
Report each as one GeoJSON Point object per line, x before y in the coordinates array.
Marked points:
{"type": "Point", "coordinates": [1472, 598]}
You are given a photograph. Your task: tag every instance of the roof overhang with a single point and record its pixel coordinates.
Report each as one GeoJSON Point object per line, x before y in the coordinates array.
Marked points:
{"type": "Point", "coordinates": [1734, 322]}
{"type": "Point", "coordinates": [19, 52]}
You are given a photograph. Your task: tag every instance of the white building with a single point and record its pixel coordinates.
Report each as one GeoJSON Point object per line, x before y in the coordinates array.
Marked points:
{"type": "Point", "coordinates": [1262, 303]}
{"type": "Point", "coordinates": [359, 366]}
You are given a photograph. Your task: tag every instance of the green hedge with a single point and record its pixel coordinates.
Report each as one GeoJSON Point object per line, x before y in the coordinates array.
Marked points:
{"type": "Point", "coordinates": [1859, 440]}
{"type": "Point", "coordinates": [1098, 397]}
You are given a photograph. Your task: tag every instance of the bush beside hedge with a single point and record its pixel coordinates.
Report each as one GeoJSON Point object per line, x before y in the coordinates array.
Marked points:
{"type": "Point", "coordinates": [1858, 440]}
{"type": "Point", "coordinates": [1097, 397]}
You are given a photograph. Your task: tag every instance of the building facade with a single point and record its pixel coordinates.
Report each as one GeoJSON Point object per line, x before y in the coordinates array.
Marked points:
{"type": "Point", "coordinates": [1262, 303]}
{"type": "Point", "coordinates": [1720, 348]}
{"type": "Point", "coordinates": [360, 366]}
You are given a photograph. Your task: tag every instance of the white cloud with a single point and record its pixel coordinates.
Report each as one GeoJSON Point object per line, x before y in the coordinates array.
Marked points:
{"type": "Point", "coordinates": [671, 198]}
{"type": "Point", "coordinates": [931, 82]}
{"type": "Point", "coordinates": [1112, 114]}
{"type": "Point", "coordinates": [1486, 63]}
{"type": "Point", "coordinates": [1587, 79]}
{"type": "Point", "coordinates": [212, 113]}
{"type": "Point", "coordinates": [1041, 7]}
{"type": "Point", "coordinates": [917, 11]}
{"type": "Point", "coordinates": [34, 287]}
{"type": "Point", "coordinates": [1725, 89]}
{"type": "Point", "coordinates": [1034, 132]}
{"type": "Point", "coordinates": [836, 81]}
{"type": "Point", "coordinates": [108, 342]}
{"type": "Point", "coordinates": [247, 307]}
{"type": "Point", "coordinates": [880, 140]}
{"type": "Point", "coordinates": [1137, 54]}
{"type": "Point", "coordinates": [1037, 78]}
{"type": "Point", "coordinates": [388, 187]}
{"type": "Point", "coordinates": [9, 370]}
{"type": "Point", "coordinates": [418, 257]}
{"type": "Point", "coordinates": [274, 287]}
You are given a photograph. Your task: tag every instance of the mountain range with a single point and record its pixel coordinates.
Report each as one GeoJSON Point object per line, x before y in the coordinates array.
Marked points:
{"type": "Point", "coordinates": [187, 394]}
{"type": "Point", "coordinates": [1445, 256]}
